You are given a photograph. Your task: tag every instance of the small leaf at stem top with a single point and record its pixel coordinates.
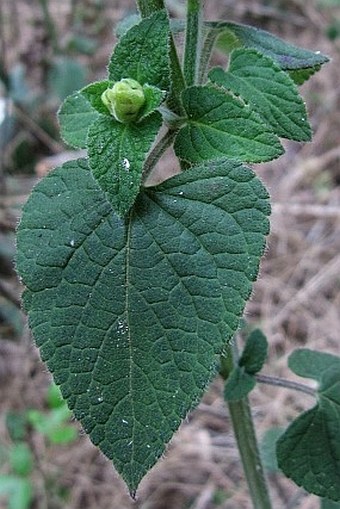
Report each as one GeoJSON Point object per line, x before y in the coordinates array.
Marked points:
{"type": "Point", "coordinates": [142, 53]}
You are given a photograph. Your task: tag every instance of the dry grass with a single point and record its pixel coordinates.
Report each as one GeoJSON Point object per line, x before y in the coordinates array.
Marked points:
{"type": "Point", "coordinates": [296, 302]}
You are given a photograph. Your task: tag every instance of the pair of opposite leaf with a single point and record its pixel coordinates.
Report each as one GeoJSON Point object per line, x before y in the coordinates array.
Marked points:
{"type": "Point", "coordinates": [118, 122]}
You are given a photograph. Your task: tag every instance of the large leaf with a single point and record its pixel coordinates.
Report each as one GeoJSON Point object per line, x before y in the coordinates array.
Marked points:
{"type": "Point", "coordinates": [309, 450]}
{"type": "Point", "coordinates": [221, 125]}
{"type": "Point", "coordinates": [288, 56]}
{"type": "Point", "coordinates": [132, 314]}
{"type": "Point", "coordinates": [142, 53]}
{"type": "Point", "coordinates": [269, 90]}
{"type": "Point", "coordinates": [79, 111]}
{"type": "Point", "coordinates": [116, 155]}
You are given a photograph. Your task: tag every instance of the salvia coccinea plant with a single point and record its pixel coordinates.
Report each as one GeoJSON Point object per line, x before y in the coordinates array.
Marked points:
{"type": "Point", "coordinates": [133, 291]}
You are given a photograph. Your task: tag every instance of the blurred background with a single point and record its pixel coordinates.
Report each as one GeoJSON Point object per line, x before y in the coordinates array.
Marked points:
{"type": "Point", "coordinates": [50, 48]}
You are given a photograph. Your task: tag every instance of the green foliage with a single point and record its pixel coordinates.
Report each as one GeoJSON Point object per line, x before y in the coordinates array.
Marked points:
{"type": "Point", "coordinates": [116, 156]}
{"type": "Point", "coordinates": [142, 53]}
{"type": "Point", "coordinates": [54, 397]}
{"type": "Point", "coordinates": [268, 89]}
{"type": "Point", "coordinates": [21, 459]}
{"type": "Point", "coordinates": [241, 380]}
{"type": "Point", "coordinates": [158, 332]}
{"type": "Point", "coordinates": [309, 450]}
{"type": "Point", "coordinates": [221, 125]}
{"type": "Point", "coordinates": [18, 486]}
{"type": "Point", "coordinates": [134, 292]}
{"type": "Point", "coordinates": [54, 424]}
{"type": "Point", "coordinates": [76, 115]}
{"type": "Point", "coordinates": [287, 56]}
{"type": "Point", "coordinates": [255, 352]}
{"type": "Point", "coordinates": [17, 490]}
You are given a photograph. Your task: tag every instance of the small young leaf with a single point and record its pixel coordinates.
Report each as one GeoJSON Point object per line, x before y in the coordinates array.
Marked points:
{"type": "Point", "coordinates": [116, 155]}
{"type": "Point", "coordinates": [241, 379]}
{"type": "Point", "coordinates": [221, 125]}
{"type": "Point", "coordinates": [254, 353]}
{"type": "Point", "coordinates": [142, 53]}
{"type": "Point", "coordinates": [93, 94]}
{"type": "Point", "coordinates": [309, 450]}
{"type": "Point", "coordinates": [153, 99]}
{"type": "Point", "coordinates": [269, 90]}
{"type": "Point", "coordinates": [132, 315]}
{"type": "Point", "coordinates": [287, 55]}
{"type": "Point", "coordinates": [238, 384]}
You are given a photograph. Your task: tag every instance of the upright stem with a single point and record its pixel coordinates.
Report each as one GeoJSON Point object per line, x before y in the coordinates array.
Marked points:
{"type": "Point", "coordinates": [192, 50]}
{"type": "Point", "coordinates": [146, 8]}
{"type": "Point", "coordinates": [157, 152]}
{"type": "Point", "coordinates": [206, 51]}
{"type": "Point", "coordinates": [244, 431]}
{"type": "Point", "coordinates": [243, 425]}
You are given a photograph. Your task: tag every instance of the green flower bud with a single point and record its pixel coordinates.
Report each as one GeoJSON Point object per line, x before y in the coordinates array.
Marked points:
{"type": "Point", "coordinates": [124, 100]}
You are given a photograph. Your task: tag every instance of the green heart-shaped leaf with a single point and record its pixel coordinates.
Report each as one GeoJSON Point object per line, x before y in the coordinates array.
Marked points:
{"type": "Point", "coordinates": [220, 125]}
{"type": "Point", "coordinates": [131, 315]}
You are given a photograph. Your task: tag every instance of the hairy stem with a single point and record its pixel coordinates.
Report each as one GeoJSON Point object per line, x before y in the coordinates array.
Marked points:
{"type": "Point", "coordinates": [288, 384]}
{"type": "Point", "coordinates": [207, 48]}
{"type": "Point", "coordinates": [243, 425]}
{"type": "Point", "coordinates": [244, 431]}
{"type": "Point", "coordinates": [192, 49]}
{"type": "Point", "coordinates": [157, 152]}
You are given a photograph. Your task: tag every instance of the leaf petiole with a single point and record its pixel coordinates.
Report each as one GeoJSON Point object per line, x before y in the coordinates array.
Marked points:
{"type": "Point", "coordinates": [288, 384]}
